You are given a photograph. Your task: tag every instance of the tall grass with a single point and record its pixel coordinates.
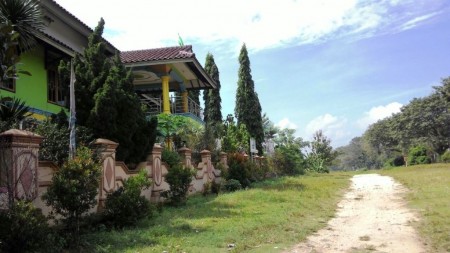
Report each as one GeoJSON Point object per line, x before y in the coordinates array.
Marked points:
{"type": "Point", "coordinates": [273, 215]}
{"type": "Point", "coordinates": [430, 197]}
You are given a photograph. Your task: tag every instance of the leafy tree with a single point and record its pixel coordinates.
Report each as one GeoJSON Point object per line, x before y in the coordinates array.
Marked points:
{"type": "Point", "coordinates": [20, 21]}
{"type": "Point", "coordinates": [74, 188]}
{"type": "Point", "coordinates": [248, 108]}
{"type": "Point", "coordinates": [235, 138]}
{"type": "Point", "coordinates": [418, 155]}
{"type": "Point", "coordinates": [270, 130]}
{"type": "Point", "coordinates": [354, 156]}
{"type": "Point", "coordinates": [322, 154]}
{"type": "Point", "coordinates": [212, 98]}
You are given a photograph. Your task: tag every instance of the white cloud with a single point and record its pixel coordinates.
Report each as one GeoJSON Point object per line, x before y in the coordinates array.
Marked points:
{"type": "Point", "coordinates": [286, 123]}
{"type": "Point", "coordinates": [417, 20]}
{"type": "Point", "coordinates": [138, 24]}
{"type": "Point", "coordinates": [377, 113]}
{"type": "Point", "coordinates": [335, 128]}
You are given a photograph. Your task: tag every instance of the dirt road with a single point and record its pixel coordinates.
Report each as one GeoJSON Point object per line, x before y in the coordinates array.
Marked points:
{"type": "Point", "coordinates": [372, 217]}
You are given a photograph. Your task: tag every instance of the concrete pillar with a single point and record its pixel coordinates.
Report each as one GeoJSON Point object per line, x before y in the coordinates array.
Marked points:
{"type": "Point", "coordinates": [107, 151]}
{"type": "Point", "coordinates": [185, 154]}
{"type": "Point", "coordinates": [165, 94]}
{"type": "Point", "coordinates": [18, 165]}
{"type": "Point", "coordinates": [185, 101]}
{"type": "Point", "coordinates": [206, 160]}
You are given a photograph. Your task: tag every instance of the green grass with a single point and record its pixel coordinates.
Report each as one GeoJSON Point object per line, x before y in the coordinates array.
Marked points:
{"type": "Point", "coordinates": [430, 196]}
{"type": "Point", "coordinates": [271, 216]}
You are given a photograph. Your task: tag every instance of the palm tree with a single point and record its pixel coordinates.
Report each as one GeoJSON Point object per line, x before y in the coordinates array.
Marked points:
{"type": "Point", "coordinates": [20, 21]}
{"type": "Point", "coordinates": [25, 18]}
{"type": "Point", "coordinates": [12, 112]}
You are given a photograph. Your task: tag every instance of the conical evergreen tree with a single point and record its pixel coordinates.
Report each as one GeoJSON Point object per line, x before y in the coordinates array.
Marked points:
{"type": "Point", "coordinates": [248, 108]}
{"type": "Point", "coordinates": [213, 101]}
{"type": "Point", "coordinates": [91, 71]}
{"type": "Point", "coordinates": [109, 104]}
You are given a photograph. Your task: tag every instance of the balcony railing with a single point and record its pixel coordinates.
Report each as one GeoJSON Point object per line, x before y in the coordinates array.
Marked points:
{"type": "Point", "coordinates": [155, 106]}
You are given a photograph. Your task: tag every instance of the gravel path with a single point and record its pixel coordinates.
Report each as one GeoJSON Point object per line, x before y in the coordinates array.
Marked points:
{"type": "Point", "coordinates": [372, 217]}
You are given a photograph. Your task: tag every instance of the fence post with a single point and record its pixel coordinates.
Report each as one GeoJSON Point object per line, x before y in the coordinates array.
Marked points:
{"type": "Point", "coordinates": [107, 151]}
{"type": "Point", "coordinates": [18, 166]}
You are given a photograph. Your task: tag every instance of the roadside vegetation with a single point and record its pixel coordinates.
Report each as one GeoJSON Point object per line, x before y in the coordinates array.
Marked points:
{"type": "Point", "coordinates": [272, 215]}
{"type": "Point", "coordinates": [429, 187]}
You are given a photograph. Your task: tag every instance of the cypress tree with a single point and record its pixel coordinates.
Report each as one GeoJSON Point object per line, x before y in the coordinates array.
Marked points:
{"type": "Point", "coordinates": [213, 114]}
{"type": "Point", "coordinates": [248, 108]}
{"type": "Point", "coordinates": [91, 71]}
{"type": "Point", "coordinates": [108, 104]}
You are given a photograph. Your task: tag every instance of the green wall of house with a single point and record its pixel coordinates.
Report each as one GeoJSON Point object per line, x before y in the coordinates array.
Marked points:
{"type": "Point", "coordinates": [33, 89]}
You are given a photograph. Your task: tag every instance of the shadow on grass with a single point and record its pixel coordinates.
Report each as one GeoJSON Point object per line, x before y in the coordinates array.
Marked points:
{"type": "Point", "coordinates": [172, 222]}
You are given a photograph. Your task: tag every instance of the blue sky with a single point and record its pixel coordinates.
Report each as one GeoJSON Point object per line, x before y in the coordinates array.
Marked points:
{"type": "Point", "coordinates": [332, 65]}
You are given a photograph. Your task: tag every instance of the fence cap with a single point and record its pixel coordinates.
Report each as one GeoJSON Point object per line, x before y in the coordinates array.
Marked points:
{"type": "Point", "coordinates": [205, 152]}
{"type": "Point", "coordinates": [101, 141]}
{"type": "Point", "coordinates": [17, 132]}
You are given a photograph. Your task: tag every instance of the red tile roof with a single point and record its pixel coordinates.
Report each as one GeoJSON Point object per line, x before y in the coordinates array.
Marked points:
{"type": "Point", "coordinates": [155, 54]}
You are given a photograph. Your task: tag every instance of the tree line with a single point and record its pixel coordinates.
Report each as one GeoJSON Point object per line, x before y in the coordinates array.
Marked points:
{"type": "Point", "coordinates": [419, 133]}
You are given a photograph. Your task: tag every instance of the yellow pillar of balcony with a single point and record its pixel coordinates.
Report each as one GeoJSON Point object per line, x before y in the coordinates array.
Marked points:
{"type": "Point", "coordinates": [184, 95]}
{"type": "Point", "coordinates": [165, 94]}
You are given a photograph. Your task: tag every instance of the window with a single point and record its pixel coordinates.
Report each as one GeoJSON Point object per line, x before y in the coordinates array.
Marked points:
{"type": "Point", "coordinates": [56, 93]}
{"type": "Point", "coordinates": [8, 84]}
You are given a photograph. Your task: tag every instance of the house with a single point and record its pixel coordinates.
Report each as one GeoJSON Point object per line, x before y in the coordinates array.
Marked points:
{"type": "Point", "coordinates": [157, 71]}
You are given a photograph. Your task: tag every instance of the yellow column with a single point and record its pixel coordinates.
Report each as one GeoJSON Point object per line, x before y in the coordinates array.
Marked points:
{"type": "Point", "coordinates": [165, 94]}
{"type": "Point", "coordinates": [185, 101]}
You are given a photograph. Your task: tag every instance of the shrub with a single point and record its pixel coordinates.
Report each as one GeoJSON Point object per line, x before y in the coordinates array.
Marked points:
{"type": "Point", "coordinates": [206, 188]}
{"type": "Point", "coordinates": [125, 206]}
{"type": "Point", "coordinates": [215, 187]}
{"type": "Point", "coordinates": [232, 185]}
{"type": "Point", "coordinates": [238, 169]}
{"type": "Point", "coordinates": [74, 188]}
{"type": "Point", "coordinates": [288, 161]}
{"type": "Point", "coordinates": [395, 162]}
{"type": "Point", "coordinates": [24, 228]}
{"type": "Point", "coordinates": [170, 157]}
{"type": "Point", "coordinates": [179, 180]}
{"type": "Point", "coordinates": [418, 155]}
{"type": "Point", "coordinates": [446, 157]}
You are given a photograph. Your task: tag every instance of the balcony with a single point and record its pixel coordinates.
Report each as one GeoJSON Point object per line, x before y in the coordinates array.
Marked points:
{"type": "Point", "coordinates": [154, 107]}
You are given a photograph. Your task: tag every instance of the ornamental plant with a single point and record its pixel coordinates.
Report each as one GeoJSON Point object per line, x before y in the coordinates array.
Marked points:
{"type": "Point", "coordinates": [73, 190]}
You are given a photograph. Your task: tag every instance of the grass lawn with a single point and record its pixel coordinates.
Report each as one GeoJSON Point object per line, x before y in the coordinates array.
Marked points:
{"type": "Point", "coordinates": [430, 197]}
{"type": "Point", "coordinates": [270, 217]}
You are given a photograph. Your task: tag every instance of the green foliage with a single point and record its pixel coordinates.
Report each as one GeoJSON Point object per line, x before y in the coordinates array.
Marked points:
{"type": "Point", "coordinates": [288, 161]}
{"type": "Point", "coordinates": [248, 108]}
{"type": "Point", "coordinates": [20, 21]}
{"type": "Point", "coordinates": [107, 103]}
{"type": "Point", "coordinates": [179, 180]}
{"type": "Point", "coordinates": [215, 187]}
{"type": "Point", "coordinates": [235, 138]}
{"type": "Point", "coordinates": [170, 157]}
{"type": "Point", "coordinates": [125, 206]}
{"type": "Point", "coordinates": [239, 169]}
{"type": "Point", "coordinates": [418, 155]}
{"type": "Point", "coordinates": [322, 154]}
{"type": "Point", "coordinates": [55, 146]}
{"type": "Point", "coordinates": [446, 157]}
{"type": "Point", "coordinates": [232, 185]}
{"type": "Point", "coordinates": [74, 188]}
{"type": "Point", "coordinates": [206, 188]}
{"type": "Point", "coordinates": [12, 112]}
{"type": "Point", "coordinates": [24, 228]}
{"type": "Point", "coordinates": [212, 98]}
